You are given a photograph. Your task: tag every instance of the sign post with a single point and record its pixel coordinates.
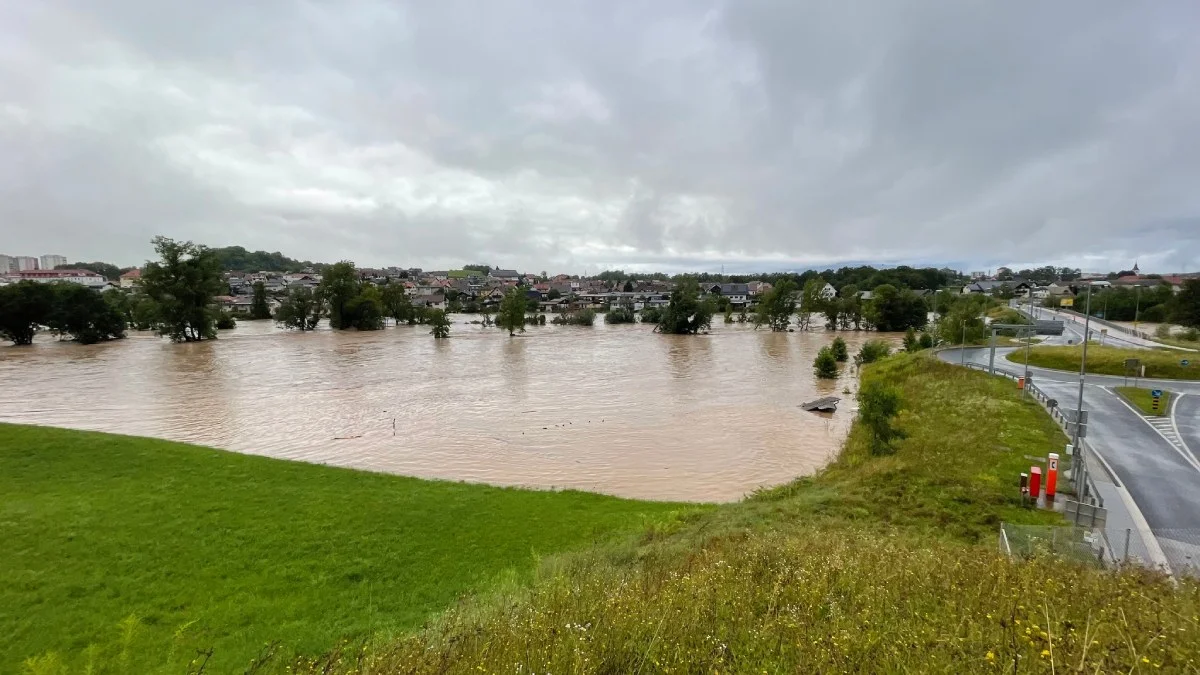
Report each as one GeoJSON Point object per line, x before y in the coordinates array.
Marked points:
{"type": "Point", "coordinates": [1155, 400]}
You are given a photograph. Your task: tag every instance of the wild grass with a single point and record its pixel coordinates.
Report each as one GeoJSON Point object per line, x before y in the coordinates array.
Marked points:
{"type": "Point", "coordinates": [1141, 399]}
{"type": "Point", "coordinates": [877, 564]}
{"type": "Point", "coordinates": [1103, 360]}
{"type": "Point", "coordinates": [134, 554]}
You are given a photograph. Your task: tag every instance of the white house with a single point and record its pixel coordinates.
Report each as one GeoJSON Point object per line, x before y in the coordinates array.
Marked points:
{"type": "Point", "coordinates": [828, 292]}
{"type": "Point", "coordinates": [82, 277]}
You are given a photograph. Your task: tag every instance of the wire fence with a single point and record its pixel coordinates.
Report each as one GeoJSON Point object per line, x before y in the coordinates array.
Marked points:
{"type": "Point", "coordinates": [1080, 544]}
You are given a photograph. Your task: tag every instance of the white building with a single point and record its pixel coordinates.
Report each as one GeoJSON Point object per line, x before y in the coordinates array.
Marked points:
{"type": "Point", "coordinates": [828, 292]}
{"type": "Point", "coordinates": [50, 261]}
{"type": "Point", "coordinates": [6, 264]}
{"type": "Point", "coordinates": [24, 263]}
{"type": "Point", "coordinates": [84, 277]}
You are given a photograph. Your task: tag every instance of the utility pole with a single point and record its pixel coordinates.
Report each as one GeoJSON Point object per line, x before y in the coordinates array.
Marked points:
{"type": "Point", "coordinates": [1078, 453]}
{"type": "Point", "coordinates": [963, 349]}
{"type": "Point", "coordinates": [1028, 340]}
{"type": "Point", "coordinates": [1137, 306]}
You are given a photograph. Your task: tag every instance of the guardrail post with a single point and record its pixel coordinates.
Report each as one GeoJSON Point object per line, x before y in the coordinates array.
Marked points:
{"type": "Point", "coordinates": [1125, 556]}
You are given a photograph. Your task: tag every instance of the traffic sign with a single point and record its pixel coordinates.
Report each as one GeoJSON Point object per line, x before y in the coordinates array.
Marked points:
{"type": "Point", "coordinates": [1156, 393]}
{"type": "Point", "coordinates": [1184, 362]}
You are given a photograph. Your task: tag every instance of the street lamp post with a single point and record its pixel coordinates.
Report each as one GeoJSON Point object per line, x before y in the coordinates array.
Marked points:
{"type": "Point", "coordinates": [1078, 453]}
{"type": "Point", "coordinates": [1028, 341]}
{"type": "Point", "coordinates": [963, 349]}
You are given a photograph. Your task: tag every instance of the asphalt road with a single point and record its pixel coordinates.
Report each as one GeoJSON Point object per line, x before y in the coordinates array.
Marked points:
{"type": "Point", "coordinates": [1187, 420]}
{"type": "Point", "coordinates": [1161, 478]}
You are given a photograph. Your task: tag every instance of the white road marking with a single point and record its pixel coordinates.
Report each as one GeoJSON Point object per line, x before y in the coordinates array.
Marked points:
{"type": "Point", "coordinates": [1187, 456]}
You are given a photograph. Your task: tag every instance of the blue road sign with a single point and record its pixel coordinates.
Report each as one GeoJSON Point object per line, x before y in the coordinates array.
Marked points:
{"type": "Point", "coordinates": [1185, 363]}
{"type": "Point", "coordinates": [1156, 393]}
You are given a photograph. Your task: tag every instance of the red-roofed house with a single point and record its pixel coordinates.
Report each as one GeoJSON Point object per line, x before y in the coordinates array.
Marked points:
{"type": "Point", "coordinates": [130, 278]}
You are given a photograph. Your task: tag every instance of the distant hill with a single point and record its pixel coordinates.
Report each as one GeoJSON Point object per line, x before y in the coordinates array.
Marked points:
{"type": "Point", "coordinates": [238, 259]}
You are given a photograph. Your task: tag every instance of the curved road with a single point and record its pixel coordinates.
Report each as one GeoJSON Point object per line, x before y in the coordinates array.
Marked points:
{"type": "Point", "coordinates": [1161, 471]}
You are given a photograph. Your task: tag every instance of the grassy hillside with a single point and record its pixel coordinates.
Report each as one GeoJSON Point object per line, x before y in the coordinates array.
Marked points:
{"type": "Point", "coordinates": [210, 549]}
{"type": "Point", "coordinates": [1140, 398]}
{"type": "Point", "coordinates": [1103, 360]}
{"type": "Point", "coordinates": [878, 564]}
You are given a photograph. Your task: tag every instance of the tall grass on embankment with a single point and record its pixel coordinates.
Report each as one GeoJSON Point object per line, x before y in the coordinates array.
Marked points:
{"type": "Point", "coordinates": [1105, 360]}
{"type": "Point", "coordinates": [877, 564]}
{"type": "Point", "coordinates": [134, 555]}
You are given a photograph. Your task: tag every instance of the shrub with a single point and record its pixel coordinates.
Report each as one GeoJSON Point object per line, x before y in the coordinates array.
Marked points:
{"type": "Point", "coordinates": [1191, 335]}
{"type": "Point", "coordinates": [651, 315]}
{"type": "Point", "coordinates": [840, 352]}
{"type": "Point", "coordinates": [1163, 331]}
{"type": "Point", "coordinates": [872, 351]}
{"type": "Point", "coordinates": [910, 340]}
{"type": "Point", "coordinates": [541, 319]}
{"type": "Point", "coordinates": [620, 315]}
{"type": "Point", "coordinates": [584, 317]}
{"type": "Point", "coordinates": [225, 321]}
{"type": "Point", "coordinates": [926, 341]}
{"type": "Point", "coordinates": [825, 365]}
{"type": "Point", "coordinates": [877, 405]}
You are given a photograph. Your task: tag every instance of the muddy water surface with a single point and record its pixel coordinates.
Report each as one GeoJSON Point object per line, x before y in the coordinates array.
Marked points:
{"type": "Point", "coordinates": [615, 409]}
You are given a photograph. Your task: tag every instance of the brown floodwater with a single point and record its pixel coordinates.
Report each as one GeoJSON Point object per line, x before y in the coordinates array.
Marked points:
{"type": "Point", "coordinates": [613, 409]}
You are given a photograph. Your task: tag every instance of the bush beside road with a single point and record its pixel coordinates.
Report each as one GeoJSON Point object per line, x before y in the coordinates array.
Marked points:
{"type": "Point", "coordinates": [1104, 360]}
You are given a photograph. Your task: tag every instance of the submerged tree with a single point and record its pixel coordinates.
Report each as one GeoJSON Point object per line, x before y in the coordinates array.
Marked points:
{"type": "Point", "coordinates": [300, 310]}
{"type": "Point", "coordinates": [24, 307]}
{"type": "Point", "coordinates": [182, 285]}
{"type": "Point", "coordinates": [85, 314]}
{"type": "Point", "coordinates": [686, 313]}
{"type": "Point", "coordinates": [259, 309]}
{"type": "Point", "coordinates": [776, 307]}
{"type": "Point", "coordinates": [339, 287]}
{"type": "Point", "coordinates": [825, 365]}
{"type": "Point", "coordinates": [440, 324]}
{"type": "Point", "coordinates": [512, 311]}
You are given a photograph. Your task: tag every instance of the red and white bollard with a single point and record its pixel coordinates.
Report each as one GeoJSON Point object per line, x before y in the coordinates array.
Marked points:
{"type": "Point", "coordinates": [1051, 476]}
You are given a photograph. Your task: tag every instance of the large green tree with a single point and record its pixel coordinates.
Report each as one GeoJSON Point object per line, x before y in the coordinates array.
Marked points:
{"type": "Point", "coordinates": [1185, 308]}
{"type": "Point", "coordinates": [300, 310]}
{"type": "Point", "coordinates": [440, 324]}
{"type": "Point", "coordinates": [686, 313]}
{"type": "Point", "coordinates": [893, 309]}
{"type": "Point", "coordinates": [810, 302]}
{"type": "Point", "coordinates": [182, 284]}
{"type": "Point", "coordinates": [259, 309]}
{"type": "Point", "coordinates": [365, 310]}
{"type": "Point", "coordinates": [397, 304]}
{"type": "Point", "coordinates": [85, 315]}
{"type": "Point", "coordinates": [776, 306]}
{"type": "Point", "coordinates": [24, 307]}
{"type": "Point", "coordinates": [339, 286]}
{"type": "Point", "coordinates": [512, 311]}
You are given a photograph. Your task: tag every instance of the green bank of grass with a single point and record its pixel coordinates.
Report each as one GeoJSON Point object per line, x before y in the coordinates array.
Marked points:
{"type": "Point", "coordinates": [211, 549]}
{"type": "Point", "coordinates": [1142, 400]}
{"type": "Point", "coordinates": [877, 564]}
{"type": "Point", "coordinates": [1101, 360]}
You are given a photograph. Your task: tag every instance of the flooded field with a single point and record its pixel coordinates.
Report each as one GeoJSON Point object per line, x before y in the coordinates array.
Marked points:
{"type": "Point", "coordinates": [614, 409]}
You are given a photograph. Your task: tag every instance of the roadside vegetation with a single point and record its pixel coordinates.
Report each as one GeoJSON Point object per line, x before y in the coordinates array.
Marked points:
{"type": "Point", "coordinates": [135, 554]}
{"type": "Point", "coordinates": [1141, 399]}
{"type": "Point", "coordinates": [884, 562]}
{"type": "Point", "coordinates": [1103, 360]}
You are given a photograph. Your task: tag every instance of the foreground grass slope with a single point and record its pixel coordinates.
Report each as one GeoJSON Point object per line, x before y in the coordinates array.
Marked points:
{"type": "Point", "coordinates": [210, 549]}
{"type": "Point", "coordinates": [1104, 360]}
{"type": "Point", "coordinates": [877, 564]}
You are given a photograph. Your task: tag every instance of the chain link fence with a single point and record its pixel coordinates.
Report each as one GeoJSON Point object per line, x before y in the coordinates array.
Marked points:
{"type": "Point", "coordinates": [1081, 544]}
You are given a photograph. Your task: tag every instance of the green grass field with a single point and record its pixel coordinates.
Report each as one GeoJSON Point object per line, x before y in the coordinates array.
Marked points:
{"type": "Point", "coordinates": [1160, 363]}
{"type": "Point", "coordinates": [1140, 398]}
{"type": "Point", "coordinates": [211, 549]}
{"type": "Point", "coordinates": [877, 564]}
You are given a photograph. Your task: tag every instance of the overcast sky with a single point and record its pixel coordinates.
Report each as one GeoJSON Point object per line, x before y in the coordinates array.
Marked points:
{"type": "Point", "coordinates": [572, 135]}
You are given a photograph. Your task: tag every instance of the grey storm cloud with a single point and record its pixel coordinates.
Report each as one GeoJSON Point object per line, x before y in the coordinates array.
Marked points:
{"type": "Point", "coordinates": [576, 135]}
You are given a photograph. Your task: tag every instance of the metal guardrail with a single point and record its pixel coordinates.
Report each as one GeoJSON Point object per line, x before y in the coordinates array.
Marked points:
{"type": "Point", "coordinates": [1063, 416]}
